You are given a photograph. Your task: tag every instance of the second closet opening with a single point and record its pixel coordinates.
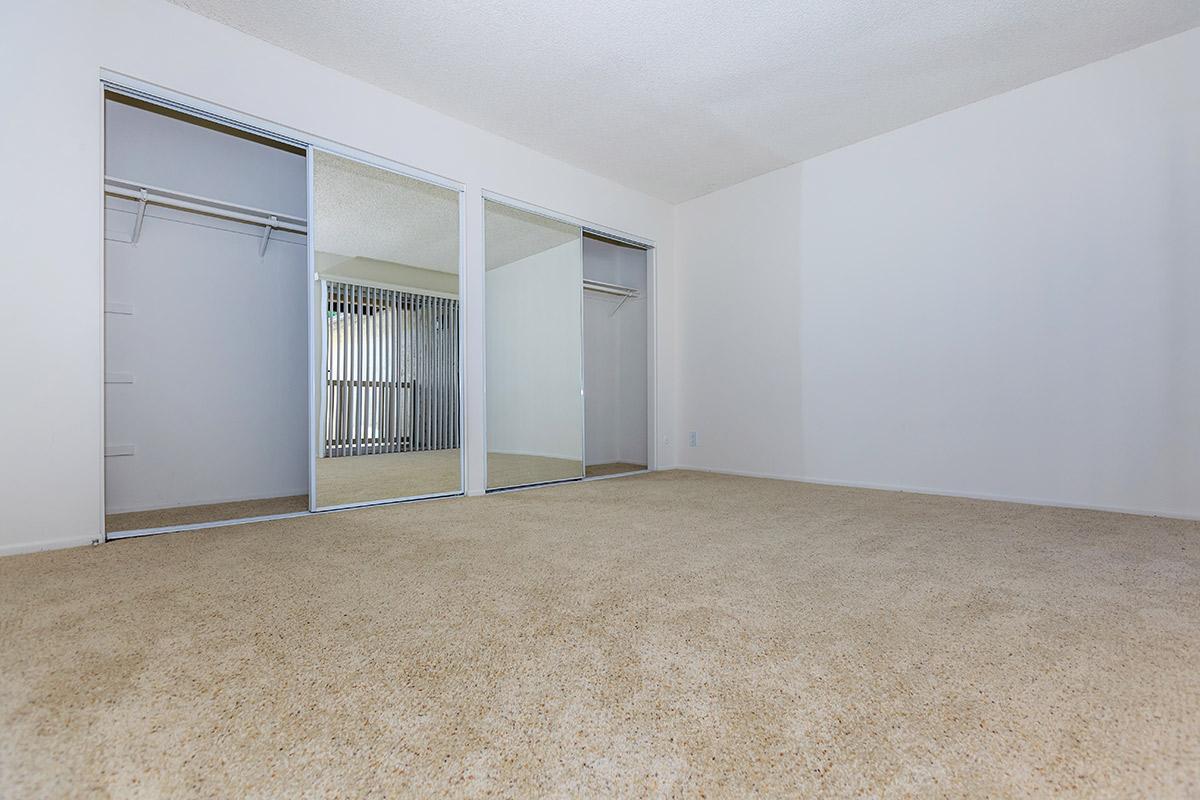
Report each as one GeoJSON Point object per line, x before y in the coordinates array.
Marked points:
{"type": "Point", "coordinates": [615, 350]}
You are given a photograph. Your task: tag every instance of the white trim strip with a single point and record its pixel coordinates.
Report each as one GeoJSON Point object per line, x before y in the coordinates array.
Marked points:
{"type": "Point", "coordinates": [997, 498]}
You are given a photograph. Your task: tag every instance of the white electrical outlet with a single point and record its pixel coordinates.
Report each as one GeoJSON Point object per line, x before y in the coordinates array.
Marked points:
{"type": "Point", "coordinates": [693, 439]}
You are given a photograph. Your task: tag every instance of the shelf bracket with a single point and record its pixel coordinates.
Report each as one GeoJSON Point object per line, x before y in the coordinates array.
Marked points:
{"type": "Point", "coordinates": [618, 308]}
{"type": "Point", "coordinates": [266, 237]}
{"type": "Point", "coordinates": [141, 215]}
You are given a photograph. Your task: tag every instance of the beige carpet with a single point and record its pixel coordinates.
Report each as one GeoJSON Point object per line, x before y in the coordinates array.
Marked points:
{"type": "Point", "coordinates": [387, 476]}
{"type": "Point", "coordinates": [363, 479]}
{"type": "Point", "coordinates": [211, 512]}
{"type": "Point", "coordinates": [614, 468]}
{"type": "Point", "coordinates": [516, 469]}
{"type": "Point", "coordinates": [673, 634]}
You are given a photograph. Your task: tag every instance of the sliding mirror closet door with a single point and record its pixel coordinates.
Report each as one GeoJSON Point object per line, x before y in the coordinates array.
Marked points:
{"type": "Point", "coordinates": [534, 324]}
{"type": "Point", "coordinates": [386, 255]}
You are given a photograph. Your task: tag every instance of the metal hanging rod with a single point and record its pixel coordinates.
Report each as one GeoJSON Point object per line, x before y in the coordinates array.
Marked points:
{"type": "Point", "coordinates": [156, 195]}
{"type": "Point", "coordinates": [609, 288]}
{"type": "Point", "coordinates": [623, 292]}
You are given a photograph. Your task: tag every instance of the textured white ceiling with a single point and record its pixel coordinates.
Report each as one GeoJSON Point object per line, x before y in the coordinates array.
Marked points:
{"type": "Point", "coordinates": [361, 211]}
{"type": "Point", "coordinates": [679, 98]}
{"type": "Point", "coordinates": [510, 234]}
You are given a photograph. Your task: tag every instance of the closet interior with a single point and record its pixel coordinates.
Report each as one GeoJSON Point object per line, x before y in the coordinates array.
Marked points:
{"type": "Point", "coordinates": [205, 348]}
{"type": "Point", "coordinates": [615, 348]}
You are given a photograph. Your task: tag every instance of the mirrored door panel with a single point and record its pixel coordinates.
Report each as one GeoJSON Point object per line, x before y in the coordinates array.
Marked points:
{"type": "Point", "coordinates": [386, 255]}
{"type": "Point", "coordinates": [533, 314]}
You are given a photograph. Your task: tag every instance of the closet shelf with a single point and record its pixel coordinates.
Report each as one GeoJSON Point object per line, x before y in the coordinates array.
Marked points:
{"type": "Point", "coordinates": [145, 195]}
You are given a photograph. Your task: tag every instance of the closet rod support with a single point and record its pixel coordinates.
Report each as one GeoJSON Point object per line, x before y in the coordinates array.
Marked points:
{"type": "Point", "coordinates": [619, 305]}
{"type": "Point", "coordinates": [266, 237]}
{"type": "Point", "coordinates": [141, 215]}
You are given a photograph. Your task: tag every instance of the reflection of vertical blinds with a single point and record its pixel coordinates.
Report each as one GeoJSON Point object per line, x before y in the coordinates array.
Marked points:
{"type": "Point", "coordinates": [391, 384]}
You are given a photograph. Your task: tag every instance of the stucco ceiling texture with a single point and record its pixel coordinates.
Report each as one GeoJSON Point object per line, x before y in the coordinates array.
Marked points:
{"type": "Point", "coordinates": [680, 98]}
{"type": "Point", "coordinates": [511, 234]}
{"type": "Point", "coordinates": [361, 211]}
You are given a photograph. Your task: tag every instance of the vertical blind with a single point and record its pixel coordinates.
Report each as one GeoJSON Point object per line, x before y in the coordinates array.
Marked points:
{"type": "Point", "coordinates": [391, 381]}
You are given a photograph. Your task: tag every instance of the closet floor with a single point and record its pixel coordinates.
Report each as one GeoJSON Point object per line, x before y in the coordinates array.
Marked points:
{"type": "Point", "coordinates": [212, 512]}
{"type": "Point", "coordinates": [615, 468]}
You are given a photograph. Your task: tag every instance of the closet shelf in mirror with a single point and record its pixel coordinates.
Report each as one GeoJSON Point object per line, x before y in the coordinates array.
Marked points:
{"type": "Point", "coordinates": [145, 194]}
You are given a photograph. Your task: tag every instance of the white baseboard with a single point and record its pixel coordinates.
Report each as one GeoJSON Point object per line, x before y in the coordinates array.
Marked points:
{"type": "Point", "coordinates": [1000, 498]}
{"type": "Point", "coordinates": [54, 544]}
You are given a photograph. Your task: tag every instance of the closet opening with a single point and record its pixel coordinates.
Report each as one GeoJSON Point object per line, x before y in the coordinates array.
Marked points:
{"type": "Point", "coordinates": [616, 339]}
{"type": "Point", "coordinates": [206, 309]}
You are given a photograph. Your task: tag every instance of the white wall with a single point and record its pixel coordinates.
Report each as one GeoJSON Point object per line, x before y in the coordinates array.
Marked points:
{"type": "Point", "coordinates": [999, 301]}
{"type": "Point", "coordinates": [534, 355]}
{"type": "Point", "coordinates": [614, 356]}
{"type": "Point", "coordinates": [51, 59]}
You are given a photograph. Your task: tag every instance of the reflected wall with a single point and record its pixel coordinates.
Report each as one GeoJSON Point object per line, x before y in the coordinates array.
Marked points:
{"type": "Point", "coordinates": [533, 322]}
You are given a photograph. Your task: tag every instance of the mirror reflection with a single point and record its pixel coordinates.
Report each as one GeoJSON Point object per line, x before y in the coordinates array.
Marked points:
{"type": "Point", "coordinates": [534, 347]}
{"type": "Point", "coordinates": [386, 255]}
